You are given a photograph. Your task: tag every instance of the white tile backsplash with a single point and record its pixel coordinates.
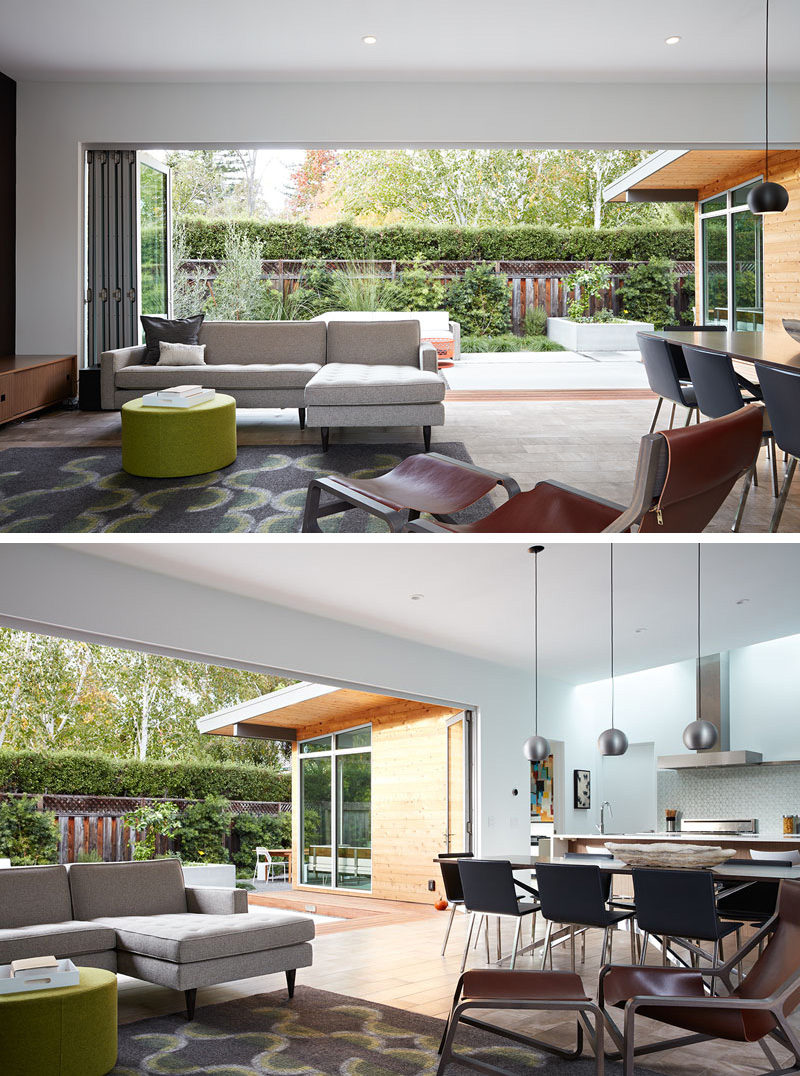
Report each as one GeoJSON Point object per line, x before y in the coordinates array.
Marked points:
{"type": "Point", "coordinates": [763, 792]}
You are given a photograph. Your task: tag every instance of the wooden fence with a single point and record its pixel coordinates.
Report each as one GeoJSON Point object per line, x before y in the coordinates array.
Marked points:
{"type": "Point", "coordinates": [93, 825]}
{"type": "Point", "coordinates": [539, 285]}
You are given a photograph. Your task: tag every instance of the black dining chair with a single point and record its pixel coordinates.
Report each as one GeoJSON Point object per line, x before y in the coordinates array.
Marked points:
{"type": "Point", "coordinates": [718, 390]}
{"type": "Point", "coordinates": [751, 902]}
{"type": "Point", "coordinates": [667, 376]}
{"type": "Point", "coordinates": [490, 888]}
{"type": "Point", "coordinates": [679, 905]}
{"type": "Point", "coordinates": [451, 880]}
{"type": "Point", "coordinates": [781, 388]}
{"type": "Point", "coordinates": [576, 895]}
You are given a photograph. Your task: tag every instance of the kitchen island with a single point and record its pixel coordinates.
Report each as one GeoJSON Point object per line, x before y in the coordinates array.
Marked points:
{"type": "Point", "coordinates": [741, 843]}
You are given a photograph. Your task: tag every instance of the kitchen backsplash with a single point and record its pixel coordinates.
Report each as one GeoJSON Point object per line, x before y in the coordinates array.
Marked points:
{"type": "Point", "coordinates": [763, 792]}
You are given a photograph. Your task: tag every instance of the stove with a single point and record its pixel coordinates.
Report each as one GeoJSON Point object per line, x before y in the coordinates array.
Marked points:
{"type": "Point", "coordinates": [734, 827]}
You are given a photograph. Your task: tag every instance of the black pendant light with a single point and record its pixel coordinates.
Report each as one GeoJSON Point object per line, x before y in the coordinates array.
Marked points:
{"type": "Point", "coordinates": [536, 748]}
{"type": "Point", "coordinates": [699, 735]}
{"type": "Point", "coordinates": [767, 197]}
{"type": "Point", "coordinates": [613, 741]}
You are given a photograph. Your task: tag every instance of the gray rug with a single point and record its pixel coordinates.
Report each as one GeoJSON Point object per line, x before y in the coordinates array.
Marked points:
{"type": "Point", "coordinates": [319, 1034]}
{"type": "Point", "coordinates": [84, 490]}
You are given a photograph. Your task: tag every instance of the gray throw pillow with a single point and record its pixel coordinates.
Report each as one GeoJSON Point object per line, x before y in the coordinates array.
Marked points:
{"type": "Point", "coordinates": [170, 330]}
{"type": "Point", "coordinates": [181, 354]}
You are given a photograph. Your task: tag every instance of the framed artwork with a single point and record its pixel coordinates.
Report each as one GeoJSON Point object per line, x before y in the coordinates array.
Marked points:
{"type": "Point", "coordinates": [583, 789]}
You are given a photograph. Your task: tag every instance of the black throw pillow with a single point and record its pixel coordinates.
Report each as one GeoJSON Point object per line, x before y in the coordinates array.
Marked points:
{"type": "Point", "coordinates": [171, 331]}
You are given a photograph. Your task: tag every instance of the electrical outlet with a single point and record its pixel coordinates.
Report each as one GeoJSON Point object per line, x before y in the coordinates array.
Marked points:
{"type": "Point", "coordinates": [311, 908]}
{"type": "Point", "coordinates": [431, 885]}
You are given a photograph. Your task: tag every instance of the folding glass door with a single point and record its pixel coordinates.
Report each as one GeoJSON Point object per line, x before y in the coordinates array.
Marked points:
{"type": "Point", "coordinates": [458, 837]}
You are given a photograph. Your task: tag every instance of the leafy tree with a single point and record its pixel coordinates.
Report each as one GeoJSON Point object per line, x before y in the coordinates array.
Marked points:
{"type": "Point", "coordinates": [585, 285]}
{"type": "Point", "coordinates": [27, 836]}
{"type": "Point", "coordinates": [647, 292]}
{"type": "Point", "coordinates": [308, 183]}
{"type": "Point", "coordinates": [215, 183]}
{"type": "Point", "coordinates": [480, 302]}
{"type": "Point", "coordinates": [154, 821]}
{"type": "Point", "coordinates": [237, 291]}
{"type": "Point", "coordinates": [203, 827]}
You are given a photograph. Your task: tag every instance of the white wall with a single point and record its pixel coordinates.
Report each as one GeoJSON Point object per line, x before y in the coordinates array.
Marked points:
{"type": "Point", "coordinates": [765, 698]}
{"type": "Point", "coordinates": [55, 120]}
{"type": "Point", "coordinates": [73, 592]}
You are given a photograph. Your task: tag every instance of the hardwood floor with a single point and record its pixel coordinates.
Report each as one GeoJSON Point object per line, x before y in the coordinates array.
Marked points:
{"type": "Point", "coordinates": [591, 444]}
{"type": "Point", "coordinates": [395, 960]}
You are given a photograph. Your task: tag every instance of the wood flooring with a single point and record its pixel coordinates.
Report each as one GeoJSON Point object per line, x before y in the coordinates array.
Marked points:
{"type": "Point", "coordinates": [590, 444]}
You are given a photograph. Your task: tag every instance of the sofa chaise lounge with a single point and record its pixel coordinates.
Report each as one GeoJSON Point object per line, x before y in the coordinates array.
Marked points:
{"type": "Point", "coordinates": [140, 919]}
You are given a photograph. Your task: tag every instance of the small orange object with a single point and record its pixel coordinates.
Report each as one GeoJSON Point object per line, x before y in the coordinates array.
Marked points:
{"type": "Point", "coordinates": [441, 905]}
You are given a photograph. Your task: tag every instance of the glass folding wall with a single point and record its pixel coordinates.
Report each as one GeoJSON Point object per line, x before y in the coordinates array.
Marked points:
{"type": "Point", "coordinates": [733, 261]}
{"type": "Point", "coordinates": [336, 804]}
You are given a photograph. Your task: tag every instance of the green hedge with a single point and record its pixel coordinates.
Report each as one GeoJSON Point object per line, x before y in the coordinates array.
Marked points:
{"type": "Point", "coordinates": [524, 242]}
{"type": "Point", "coordinates": [78, 774]}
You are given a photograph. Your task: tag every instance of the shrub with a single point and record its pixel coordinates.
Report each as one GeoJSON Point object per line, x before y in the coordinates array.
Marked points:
{"type": "Point", "coordinates": [525, 242]}
{"type": "Point", "coordinates": [83, 774]}
{"type": "Point", "coordinates": [267, 830]}
{"type": "Point", "coordinates": [479, 301]}
{"type": "Point", "coordinates": [27, 836]}
{"type": "Point", "coordinates": [590, 284]}
{"type": "Point", "coordinates": [358, 287]}
{"type": "Point", "coordinates": [416, 289]}
{"type": "Point", "coordinates": [476, 345]}
{"type": "Point", "coordinates": [203, 828]}
{"type": "Point", "coordinates": [535, 321]}
{"type": "Point", "coordinates": [238, 293]}
{"type": "Point", "coordinates": [158, 820]}
{"type": "Point", "coordinates": [647, 290]}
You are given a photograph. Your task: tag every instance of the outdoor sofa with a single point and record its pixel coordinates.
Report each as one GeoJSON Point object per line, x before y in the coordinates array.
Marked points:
{"type": "Point", "coordinates": [342, 373]}
{"type": "Point", "coordinates": [139, 919]}
{"type": "Point", "coordinates": [435, 326]}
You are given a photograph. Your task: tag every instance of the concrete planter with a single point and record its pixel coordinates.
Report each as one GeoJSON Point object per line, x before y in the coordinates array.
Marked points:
{"type": "Point", "coordinates": [222, 875]}
{"type": "Point", "coordinates": [596, 336]}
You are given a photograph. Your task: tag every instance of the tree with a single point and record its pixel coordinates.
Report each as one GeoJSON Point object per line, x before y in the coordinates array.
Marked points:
{"type": "Point", "coordinates": [215, 183]}
{"type": "Point", "coordinates": [308, 183]}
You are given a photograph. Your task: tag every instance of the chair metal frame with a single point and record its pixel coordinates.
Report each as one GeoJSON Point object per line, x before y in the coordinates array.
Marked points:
{"type": "Point", "coordinates": [594, 1031]}
{"type": "Point", "coordinates": [782, 1034]}
{"type": "Point", "coordinates": [347, 499]}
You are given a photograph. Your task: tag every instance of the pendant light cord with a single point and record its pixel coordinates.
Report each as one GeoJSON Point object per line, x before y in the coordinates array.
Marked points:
{"type": "Point", "coordinates": [536, 642]}
{"type": "Point", "coordinates": [766, 92]}
{"type": "Point", "coordinates": [699, 694]}
{"type": "Point", "coordinates": [611, 545]}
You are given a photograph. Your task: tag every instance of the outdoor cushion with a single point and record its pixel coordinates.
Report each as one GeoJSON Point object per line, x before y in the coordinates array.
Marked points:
{"type": "Point", "coordinates": [351, 384]}
{"type": "Point", "coordinates": [231, 376]}
{"type": "Point", "coordinates": [30, 895]}
{"type": "Point", "coordinates": [263, 342]}
{"type": "Point", "coordinates": [382, 343]}
{"type": "Point", "coordinates": [184, 939]}
{"type": "Point", "coordinates": [72, 938]}
{"type": "Point", "coordinates": [153, 887]}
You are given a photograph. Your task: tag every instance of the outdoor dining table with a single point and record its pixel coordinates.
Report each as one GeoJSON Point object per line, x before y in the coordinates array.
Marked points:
{"type": "Point", "coordinates": [773, 347]}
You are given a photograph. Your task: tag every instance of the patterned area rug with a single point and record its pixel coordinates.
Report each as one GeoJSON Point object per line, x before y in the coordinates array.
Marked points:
{"type": "Point", "coordinates": [319, 1034]}
{"type": "Point", "coordinates": [84, 490]}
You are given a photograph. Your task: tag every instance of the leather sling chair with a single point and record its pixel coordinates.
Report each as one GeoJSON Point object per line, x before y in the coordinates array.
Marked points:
{"type": "Point", "coordinates": [756, 1010]}
{"type": "Point", "coordinates": [682, 478]}
{"type": "Point", "coordinates": [518, 991]}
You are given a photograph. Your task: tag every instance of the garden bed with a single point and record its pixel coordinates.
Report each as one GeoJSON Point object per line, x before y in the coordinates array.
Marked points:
{"type": "Point", "coordinates": [596, 335]}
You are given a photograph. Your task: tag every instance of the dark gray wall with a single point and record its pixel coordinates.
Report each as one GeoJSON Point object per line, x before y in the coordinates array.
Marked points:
{"type": "Point", "coordinates": [8, 211]}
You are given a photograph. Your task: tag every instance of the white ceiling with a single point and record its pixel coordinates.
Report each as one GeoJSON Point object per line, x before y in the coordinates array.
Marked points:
{"type": "Point", "coordinates": [503, 40]}
{"type": "Point", "coordinates": [478, 597]}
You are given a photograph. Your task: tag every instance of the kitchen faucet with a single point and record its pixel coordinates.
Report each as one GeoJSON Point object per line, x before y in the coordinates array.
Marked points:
{"type": "Point", "coordinates": [603, 805]}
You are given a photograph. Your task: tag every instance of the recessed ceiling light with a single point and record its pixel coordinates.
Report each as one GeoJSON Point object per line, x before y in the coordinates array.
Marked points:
{"type": "Point", "coordinates": [672, 40]}
{"type": "Point", "coordinates": [638, 631]}
{"type": "Point", "coordinates": [417, 597]}
{"type": "Point", "coordinates": [743, 601]}
{"type": "Point", "coordinates": [369, 39]}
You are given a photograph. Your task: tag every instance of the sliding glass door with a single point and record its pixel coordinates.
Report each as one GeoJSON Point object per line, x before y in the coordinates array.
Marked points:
{"type": "Point", "coordinates": [336, 806]}
{"type": "Point", "coordinates": [733, 261]}
{"type": "Point", "coordinates": [155, 236]}
{"type": "Point", "coordinates": [458, 837]}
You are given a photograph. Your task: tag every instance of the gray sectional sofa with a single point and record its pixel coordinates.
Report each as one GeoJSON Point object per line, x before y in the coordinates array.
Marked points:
{"type": "Point", "coordinates": [140, 919]}
{"type": "Point", "coordinates": [345, 373]}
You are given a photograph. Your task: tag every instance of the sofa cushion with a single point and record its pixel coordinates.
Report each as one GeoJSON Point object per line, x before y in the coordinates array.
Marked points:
{"type": "Point", "coordinates": [382, 343]}
{"type": "Point", "coordinates": [350, 384]}
{"type": "Point", "coordinates": [173, 330]}
{"type": "Point", "coordinates": [184, 939]}
{"type": "Point", "coordinates": [30, 895]}
{"type": "Point", "coordinates": [152, 887]}
{"type": "Point", "coordinates": [263, 342]}
{"type": "Point", "coordinates": [73, 938]}
{"type": "Point", "coordinates": [232, 376]}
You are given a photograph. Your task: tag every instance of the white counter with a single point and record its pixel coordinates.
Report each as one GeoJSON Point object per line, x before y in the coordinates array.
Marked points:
{"type": "Point", "coordinates": [691, 838]}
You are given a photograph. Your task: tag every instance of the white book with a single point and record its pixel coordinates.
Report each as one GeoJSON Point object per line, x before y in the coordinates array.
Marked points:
{"type": "Point", "coordinates": [182, 390]}
{"type": "Point", "coordinates": [157, 399]}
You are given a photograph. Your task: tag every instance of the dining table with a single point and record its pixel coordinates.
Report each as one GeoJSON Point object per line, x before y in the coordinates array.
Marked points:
{"type": "Point", "coordinates": [772, 347]}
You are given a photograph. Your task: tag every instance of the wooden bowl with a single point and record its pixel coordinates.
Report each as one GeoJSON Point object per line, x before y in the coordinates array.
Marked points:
{"type": "Point", "coordinates": [674, 854]}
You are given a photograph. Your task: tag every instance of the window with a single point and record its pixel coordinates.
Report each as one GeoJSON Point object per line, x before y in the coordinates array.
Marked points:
{"type": "Point", "coordinates": [732, 261]}
{"type": "Point", "coordinates": [336, 805]}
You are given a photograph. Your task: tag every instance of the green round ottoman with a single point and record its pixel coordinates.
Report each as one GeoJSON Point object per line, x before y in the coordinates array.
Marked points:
{"type": "Point", "coordinates": [175, 442]}
{"type": "Point", "coordinates": [71, 1031]}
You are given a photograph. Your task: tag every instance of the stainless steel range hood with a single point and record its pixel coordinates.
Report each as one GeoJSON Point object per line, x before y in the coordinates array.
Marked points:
{"type": "Point", "coordinates": [715, 701]}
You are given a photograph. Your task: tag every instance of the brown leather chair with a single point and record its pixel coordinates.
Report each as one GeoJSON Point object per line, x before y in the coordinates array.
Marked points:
{"type": "Point", "coordinates": [682, 479]}
{"type": "Point", "coordinates": [756, 1010]}
{"type": "Point", "coordinates": [517, 991]}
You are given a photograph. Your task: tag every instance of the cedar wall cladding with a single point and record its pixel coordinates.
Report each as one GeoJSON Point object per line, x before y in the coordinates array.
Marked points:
{"type": "Point", "coordinates": [781, 237]}
{"type": "Point", "coordinates": [409, 782]}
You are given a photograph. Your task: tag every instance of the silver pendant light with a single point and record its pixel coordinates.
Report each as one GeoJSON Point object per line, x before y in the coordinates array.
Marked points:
{"type": "Point", "coordinates": [767, 197]}
{"type": "Point", "coordinates": [699, 735]}
{"type": "Point", "coordinates": [536, 748]}
{"type": "Point", "coordinates": [613, 741]}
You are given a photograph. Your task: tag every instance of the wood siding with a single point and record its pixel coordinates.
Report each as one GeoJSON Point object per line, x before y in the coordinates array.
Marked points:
{"type": "Point", "coordinates": [409, 809]}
